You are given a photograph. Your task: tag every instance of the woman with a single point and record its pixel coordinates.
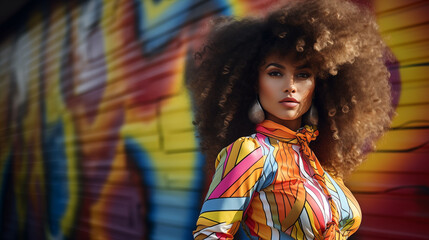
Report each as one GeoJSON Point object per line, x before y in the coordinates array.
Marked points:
{"type": "Point", "coordinates": [261, 88]}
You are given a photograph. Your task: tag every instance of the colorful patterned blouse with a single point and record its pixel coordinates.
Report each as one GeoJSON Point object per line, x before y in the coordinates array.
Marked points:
{"type": "Point", "coordinates": [272, 186]}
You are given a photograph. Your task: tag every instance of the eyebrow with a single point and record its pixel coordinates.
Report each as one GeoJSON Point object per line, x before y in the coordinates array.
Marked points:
{"type": "Point", "coordinates": [275, 65]}
{"type": "Point", "coordinates": [302, 66]}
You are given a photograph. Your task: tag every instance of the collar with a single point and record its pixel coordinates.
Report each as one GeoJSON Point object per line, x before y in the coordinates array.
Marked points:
{"type": "Point", "coordinates": [272, 129]}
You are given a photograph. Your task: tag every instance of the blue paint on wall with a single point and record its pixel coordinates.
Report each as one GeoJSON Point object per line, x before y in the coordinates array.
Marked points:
{"type": "Point", "coordinates": [157, 32]}
{"type": "Point", "coordinates": [55, 161]}
{"type": "Point", "coordinates": [173, 210]}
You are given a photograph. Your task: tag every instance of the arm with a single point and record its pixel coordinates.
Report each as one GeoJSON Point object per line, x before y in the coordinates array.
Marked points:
{"type": "Point", "coordinates": [238, 172]}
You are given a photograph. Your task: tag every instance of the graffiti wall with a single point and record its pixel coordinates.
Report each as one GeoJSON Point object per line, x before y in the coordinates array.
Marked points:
{"type": "Point", "coordinates": [392, 186]}
{"type": "Point", "coordinates": [96, 134]}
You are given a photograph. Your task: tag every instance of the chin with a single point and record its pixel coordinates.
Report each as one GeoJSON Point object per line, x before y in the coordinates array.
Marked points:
{"type": "Point", "coordinates": [287, 118]}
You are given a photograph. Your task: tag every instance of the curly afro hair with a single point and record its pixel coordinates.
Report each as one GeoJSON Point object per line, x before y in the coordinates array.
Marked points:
{"type": "Point", "coordinates": [338, 39]}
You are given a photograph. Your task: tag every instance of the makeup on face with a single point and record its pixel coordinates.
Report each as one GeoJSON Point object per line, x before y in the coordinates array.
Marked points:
{"type": "Point", "coordinates": [285, 89]}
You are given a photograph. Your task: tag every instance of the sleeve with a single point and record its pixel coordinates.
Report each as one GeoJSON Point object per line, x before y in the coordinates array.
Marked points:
{"type": "Point", "coordinates": [238, 173]}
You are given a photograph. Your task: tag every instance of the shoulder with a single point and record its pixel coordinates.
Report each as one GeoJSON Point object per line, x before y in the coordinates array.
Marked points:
{"type": "Point", "coordinates": [244, 148]}
{"type": "Point", "coordinates": [248, 143]}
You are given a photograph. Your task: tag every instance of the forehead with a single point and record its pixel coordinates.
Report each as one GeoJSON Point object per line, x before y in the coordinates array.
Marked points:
{"type": "Point", "coordinates": [287, 59]}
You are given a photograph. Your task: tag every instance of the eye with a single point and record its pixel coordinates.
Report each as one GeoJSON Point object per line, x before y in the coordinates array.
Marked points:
{"type": "Point", "coordinates": [303, 75]}
{"type": "Point", "coordinates": [275, 74]}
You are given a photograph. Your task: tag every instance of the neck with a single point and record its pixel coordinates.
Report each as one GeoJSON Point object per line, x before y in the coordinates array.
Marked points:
{"type": "Point", "coordinates": [293, 125]}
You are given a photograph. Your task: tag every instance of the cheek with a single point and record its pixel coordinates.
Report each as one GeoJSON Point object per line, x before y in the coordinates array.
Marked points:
{"type": "Point", "coordinates": [308, 95]}
{"type": "Point", "coordinates": [264, 90]}
{"type": "Point", "coordinates": [266, 94]}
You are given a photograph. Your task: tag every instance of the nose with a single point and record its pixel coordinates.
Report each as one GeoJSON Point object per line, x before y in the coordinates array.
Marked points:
{"type": "Point", "coordinates": [289, 86]}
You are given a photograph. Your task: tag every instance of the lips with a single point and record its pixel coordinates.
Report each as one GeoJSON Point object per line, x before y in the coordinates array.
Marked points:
{"type": "Point", "coordinates": [289, 99]}
{"type": "Point", "coordinates": [289, 102]}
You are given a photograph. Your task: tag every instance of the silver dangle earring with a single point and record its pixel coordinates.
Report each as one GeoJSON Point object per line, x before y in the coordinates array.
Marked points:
{"type": "Point", "coordinates": [312, 115]}
{"type": "Point", "coordinates": [256, 113]}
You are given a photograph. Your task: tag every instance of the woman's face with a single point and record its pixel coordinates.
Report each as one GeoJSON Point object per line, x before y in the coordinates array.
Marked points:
{"type": "Point", "coordinates": [286, 89]}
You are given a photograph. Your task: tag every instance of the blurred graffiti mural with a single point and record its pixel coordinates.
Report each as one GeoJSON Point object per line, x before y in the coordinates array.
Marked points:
{"type": "Point", "coordinates": [96, 134]}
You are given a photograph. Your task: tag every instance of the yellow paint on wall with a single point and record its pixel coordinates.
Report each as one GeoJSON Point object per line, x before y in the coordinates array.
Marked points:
{"type": "Point", "coordinates": [238, 7]}
{"type": "Point", "coordinates": [383, 6]}
{"type": "Point", "coordinates": [109, 13]}
{"type": "Point", "coordinates": [99, 209]}
{"type": "Point", "coordinates": [183, 141]}
{"type": "Point", "coordinates": [141, 124]}
{"type": "Point", "coordinates": [54, 105]}
{"type": "Point", "coordinates": [178, 121]}
{"type": "Point", "coordinates": [176, 103]}
{"type": "Point", "coordinates": [67, 220]}
{"type": "Point", "coordinates": [111, 37]}
{"type": "Point", "coordinates": [405, 35]}
{"type": "Point", "coordinates": [412, 53]}
{"type": "Point", "coordinates": [154, 9]}
{"type": "Point", "coordinates": [176, 179]}
{"type": "Point", "coordinates": [400, 22]}
{"type": "Point", "coordinates": [145, 133]}
{"type": "Point", "coordinates": [407, 16]}
{"type": "Point", "coordinates": [392, 162]}
{"type": "Point", "coordinates": [403, 139]}
{"type": "Point", "coordinates": [412, 74]}
{"type": "Point", "coordinates": [414, 95]}
{"type": "Point", "coordinates": [178, 136]}
{"type": "Point", "coordinates": [173, 161]}
{"type": "Point", "coordinates": [411, 115]}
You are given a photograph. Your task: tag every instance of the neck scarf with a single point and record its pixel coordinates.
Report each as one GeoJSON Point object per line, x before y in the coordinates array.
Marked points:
{"type": "Point", "coordinates": [303, 137]}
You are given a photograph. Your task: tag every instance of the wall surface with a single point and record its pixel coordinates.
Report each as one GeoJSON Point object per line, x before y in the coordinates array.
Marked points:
{"type": "Point", "coordinates": [96, 134]}
{"type": "Point", "coordinates": [392, 186]}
